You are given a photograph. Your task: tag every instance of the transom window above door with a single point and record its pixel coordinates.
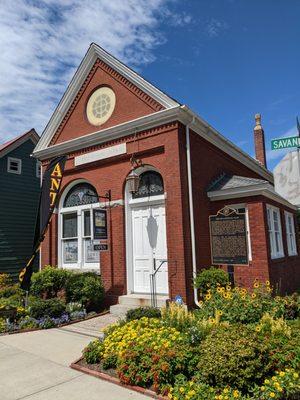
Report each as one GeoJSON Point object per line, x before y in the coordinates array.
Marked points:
{"type": "Point", "coordinates": [151, 184]}
{"type": "Point", "coordinates": [75, 238]}
{"type": "Point", "coordinates": [81, 194]}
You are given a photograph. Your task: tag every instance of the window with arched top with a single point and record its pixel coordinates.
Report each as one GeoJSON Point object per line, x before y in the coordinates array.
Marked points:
{"type": "Point", "coordinates": [75, 235]}
{"type": "Point", "coordinates": [151, 184]}
{"type": "Point", "coordinates": [81, 194]}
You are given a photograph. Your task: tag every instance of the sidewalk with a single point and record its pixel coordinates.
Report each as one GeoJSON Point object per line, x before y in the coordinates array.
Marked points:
{"type": "Point", "coordinates": [35, 365]}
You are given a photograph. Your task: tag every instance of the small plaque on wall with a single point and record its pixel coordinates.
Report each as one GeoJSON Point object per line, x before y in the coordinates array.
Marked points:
{"type": "Point", "coordinates": [228, 237]}
{"type": "Point", "coordinates": [100, 224]}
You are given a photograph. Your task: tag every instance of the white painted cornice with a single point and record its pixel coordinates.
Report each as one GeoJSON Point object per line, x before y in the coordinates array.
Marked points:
{"type": "Point", "coordinates": [78, 79]}
{"type": "Point", "coordinates": [178, 113]}
{"type": "Point", "coordinates": [263, 189]}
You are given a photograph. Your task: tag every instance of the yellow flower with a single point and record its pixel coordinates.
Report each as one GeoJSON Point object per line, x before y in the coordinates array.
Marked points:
{"type": "Point", "coordinates": [295, 375]}
{"type": "Point", "coordinates": [170, 396]}
{"type": "Point", "coordinates": [281, 373]}
{"type": "Point", "coordinates": [267, 381]}
{"type": "Point", "coordinates": [225, 390]}
{"type": "Point", "coordinates": [235, 394]}
{"type": "Point", "coordinates": [272, 394]}
{"type": "Point", "coordinates": [256, 285]}
{"type": "Point", "coordinates": [268, 283]}
{"type": "Point", "coordinates": [253, 295]}
{"type": "Point", "coordinates": [208, 296]}
{"type": "Point", "coordinates": [269, 289]}
{"type": "Point", "coordinates": [191, 393]}
{"type": "Point", "coordinates": [219, 290]}
{"type": "Point", "coordinates": [181, 389]}
{"type": "Point", "coordinates": [258, 329]}
{"type": "Point", "coordinates": [262, 388]}
{"type": "Point", "coordinates": [225, 295]}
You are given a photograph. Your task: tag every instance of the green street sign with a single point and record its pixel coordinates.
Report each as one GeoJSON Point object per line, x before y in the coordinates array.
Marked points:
{"type": "Point", "coordinates": [284, 143]}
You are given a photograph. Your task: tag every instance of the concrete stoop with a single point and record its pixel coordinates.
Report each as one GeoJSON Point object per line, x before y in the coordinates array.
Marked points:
{"type": "Point", "coordinates": [129, 301]}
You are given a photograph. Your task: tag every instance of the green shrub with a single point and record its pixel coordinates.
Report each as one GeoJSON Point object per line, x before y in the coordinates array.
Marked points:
{"type": "Point", "coordinates": [138, 313]}
{"type": "Point", "coordinates": [5, 280]}
{"type": "Point", "coordinates": [2, 325]}
{"type": "Point", "coordinates": [93, 352]}
{"type": "Point", "coordinates": [211, 278]}
{"type": "Point", "coordinates": [233, 357]}
{"type": "Point", "coordinates": [49, 282]}
{"type": "Point", "coordinates": [86, 288]}
{"type": "Point", "coordinates": [40, 308]}
{"type": "Point", "coordinates": [12, 290]}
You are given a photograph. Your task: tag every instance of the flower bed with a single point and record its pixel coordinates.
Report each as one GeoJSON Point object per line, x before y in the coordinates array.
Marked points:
{"type": "Point", "coordinates": [57, 298]}
{"type": "Point", "coordinates": [239, 345]}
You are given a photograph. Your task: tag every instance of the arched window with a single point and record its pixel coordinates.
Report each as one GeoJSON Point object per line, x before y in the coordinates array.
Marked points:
{"type": "Point", "coordinates": [81, 194]}
{"type": "Point", "coordinates": [151, 184]}
{"type": "Point", "coordinates": [75, 235]}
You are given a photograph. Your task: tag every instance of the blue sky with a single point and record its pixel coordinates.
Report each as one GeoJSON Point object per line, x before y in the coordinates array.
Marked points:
{"type": "Point", "coordinates": [226, 59]}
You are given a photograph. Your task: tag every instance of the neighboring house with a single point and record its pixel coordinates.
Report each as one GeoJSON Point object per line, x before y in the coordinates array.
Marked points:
{"type": "Point", "coordinates": [187, 172]}
{"type": "Point", "coordinates": [19, 196]}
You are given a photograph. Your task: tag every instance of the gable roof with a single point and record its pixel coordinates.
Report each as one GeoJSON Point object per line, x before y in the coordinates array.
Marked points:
{"type": "Point", "coordinates": [226, 181]}
{"type": "Point", "coordinates": [236, 187]}
{"type": "Point", "coordinates": [173, 111]}
{"type": "Point", "coordinates": [94, 52]}
{"type": "Point", "coordinates": [9, 146]}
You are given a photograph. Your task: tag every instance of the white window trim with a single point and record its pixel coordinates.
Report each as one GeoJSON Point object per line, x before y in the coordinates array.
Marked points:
{"type": "Point", "coordinates": [16, 160]}
{"type": "Point", "coordinates": [38, 169]}
{"type": "Point", "coordinates": [238, 207]}
{"type": "Point", "coordinates": [290, 236]}
{"type": "Point", "coordinates": [271, 231]}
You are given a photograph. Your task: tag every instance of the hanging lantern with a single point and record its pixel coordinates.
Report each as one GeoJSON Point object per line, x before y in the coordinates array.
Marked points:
{"type": "Point", "coordinates": [133, 181]}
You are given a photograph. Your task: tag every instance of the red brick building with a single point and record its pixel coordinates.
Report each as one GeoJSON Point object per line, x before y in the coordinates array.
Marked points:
{"type": "Point", "coordinates": [187, 171]}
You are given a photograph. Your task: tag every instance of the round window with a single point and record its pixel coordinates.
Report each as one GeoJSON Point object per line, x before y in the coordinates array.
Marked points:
{"type": "Point", "coordinates": [101, 105]}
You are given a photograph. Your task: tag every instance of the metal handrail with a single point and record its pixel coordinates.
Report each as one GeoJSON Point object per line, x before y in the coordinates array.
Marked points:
{"type": "Point", "coordinates": [153, 293]}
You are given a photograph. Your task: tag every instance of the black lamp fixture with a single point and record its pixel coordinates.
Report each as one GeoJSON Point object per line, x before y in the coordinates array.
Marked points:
{"type": "Point", "coordinates": [133, 179]}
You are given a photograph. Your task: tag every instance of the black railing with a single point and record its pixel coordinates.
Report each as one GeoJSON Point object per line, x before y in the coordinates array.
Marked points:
{"type": "Point", "coordinates": [153, 293]}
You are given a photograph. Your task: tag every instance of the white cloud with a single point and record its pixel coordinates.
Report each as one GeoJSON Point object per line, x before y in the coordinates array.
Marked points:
{"type": "Point", "coordinates": [215, 27]}
{"type": "Point", "coordinates": [43, 41]}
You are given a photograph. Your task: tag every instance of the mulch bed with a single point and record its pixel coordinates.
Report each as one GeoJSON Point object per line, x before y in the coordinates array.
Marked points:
{"type": "Point", "coordinates": [58, 326]}
{"type": "Point", "coordinates": [110, 375]}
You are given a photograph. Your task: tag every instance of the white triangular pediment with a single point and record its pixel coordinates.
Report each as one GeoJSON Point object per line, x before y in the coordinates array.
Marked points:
{"type": "Point", "coordinates": [96, 52]}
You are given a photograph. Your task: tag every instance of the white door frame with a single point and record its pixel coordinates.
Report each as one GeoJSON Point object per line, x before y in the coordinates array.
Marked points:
{"type": "Point", "coordinates": [130, 203]}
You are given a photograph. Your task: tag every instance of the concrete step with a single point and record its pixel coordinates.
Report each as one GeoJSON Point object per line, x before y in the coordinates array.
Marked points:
{"type": "Point", "coordinates": [130, 301]}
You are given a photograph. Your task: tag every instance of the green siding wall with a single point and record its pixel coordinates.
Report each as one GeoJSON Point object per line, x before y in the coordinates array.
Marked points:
{"type": "Point", "coordinates": [19, 195]}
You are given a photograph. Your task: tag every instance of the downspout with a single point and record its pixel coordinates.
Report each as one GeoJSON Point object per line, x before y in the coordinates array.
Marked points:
{"type": "Point", "coordinates": [191, 205]}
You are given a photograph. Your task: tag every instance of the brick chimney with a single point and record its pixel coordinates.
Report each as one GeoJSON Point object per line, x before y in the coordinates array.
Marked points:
{"type": "Point", "coordinates": [259, 141]}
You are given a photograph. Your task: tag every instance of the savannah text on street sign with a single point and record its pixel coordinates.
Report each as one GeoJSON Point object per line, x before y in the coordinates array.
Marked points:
{"type": "Point", "coordinates": [284, 143]}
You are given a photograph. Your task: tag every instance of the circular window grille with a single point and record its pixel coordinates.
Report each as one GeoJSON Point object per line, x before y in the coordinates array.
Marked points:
{"type": "Point", "coordinates": [101, 105]}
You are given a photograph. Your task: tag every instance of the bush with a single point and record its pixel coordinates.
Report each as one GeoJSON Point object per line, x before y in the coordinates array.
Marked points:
{"type": "Point", "coordinates": [233, 357]}
{"type": "Point", "coordinates": [13, 290]}
{"type": "Point", "coordinates": [86, 288]}
{"type": "Point", "coordinates": [178, 317]}
{"type": "Point", "coordinates": [49, 282]}
{"type": "Point", "coordinates": [46, 308]}
{"type": "Point", "coordinates": [92, 354]}
{"type": "Point", "coordinates": [138, 313]}
{"type": "Point", "coordinates": [5, 280]}
{"type": "Point", "coordinates": [210, 279]}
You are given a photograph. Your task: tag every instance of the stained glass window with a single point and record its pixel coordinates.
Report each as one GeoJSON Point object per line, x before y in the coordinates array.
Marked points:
{"type": "Point", "coordinates": [151, 184]}
{"type": "Point", "coordinates": [80, 194]}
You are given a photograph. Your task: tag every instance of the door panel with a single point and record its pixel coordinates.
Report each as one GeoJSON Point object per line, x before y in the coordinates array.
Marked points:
{"type": "Point", "coordinates": [149, 243]}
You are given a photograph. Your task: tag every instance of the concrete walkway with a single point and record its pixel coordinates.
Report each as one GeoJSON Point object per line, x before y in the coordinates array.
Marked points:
{"type": "Point", "coordinates": [35, 366]}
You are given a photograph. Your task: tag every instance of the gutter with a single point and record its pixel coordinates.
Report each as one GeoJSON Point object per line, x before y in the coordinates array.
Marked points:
{"type": "Point", "coordinates": [191, 205]}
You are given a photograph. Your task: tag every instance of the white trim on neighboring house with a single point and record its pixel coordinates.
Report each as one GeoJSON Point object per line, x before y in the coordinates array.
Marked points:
{"type": "Point", "coordinates": [31, 135]}
{"type": "Point", "coordinates": [78, 79]}
{"type": "Point", "coordinates": [290, 233]}
{"type": "Point", "coordinates": [180, 113]}
{"type": "Point", "coordinates": [263, 189]}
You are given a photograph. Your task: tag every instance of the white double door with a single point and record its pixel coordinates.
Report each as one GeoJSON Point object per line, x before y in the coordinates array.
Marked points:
{"type": "Point", "coordinates": [149, 247]}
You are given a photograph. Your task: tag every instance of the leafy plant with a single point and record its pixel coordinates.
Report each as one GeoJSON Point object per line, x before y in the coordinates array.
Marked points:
{"type": "Point", "coordinates": [48, 282]}
{"type": "Point", "coordinates": [2, 325]}
{"type": "Point", "coordinates": [178, 317]}
{"type": "Point", "coordinates": [93, 352]}
{"type": "Point", "coordinates": [210, 279]}
{"type": "Point", "coordinates": [86, 288]}
{"type": "Point", "coordinates": [140, 312]}
{"type": "Point", "coordinates": [233, 356]}
{"type": "Point", "coordinates": [40, 308]}
{"type": "Point", "coordinates": [5, 280]}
